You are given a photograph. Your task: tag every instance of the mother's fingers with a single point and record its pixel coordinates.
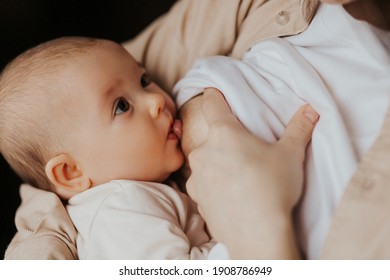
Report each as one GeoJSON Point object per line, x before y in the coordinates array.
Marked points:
{"type": "Point", "coordinates": [299, 130]}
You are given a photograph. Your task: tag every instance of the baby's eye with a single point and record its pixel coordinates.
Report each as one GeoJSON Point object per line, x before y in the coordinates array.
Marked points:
{"type": "Point", "coordinates": [122, 106]}
{"type": "Point", "coordinates": [145, 80]}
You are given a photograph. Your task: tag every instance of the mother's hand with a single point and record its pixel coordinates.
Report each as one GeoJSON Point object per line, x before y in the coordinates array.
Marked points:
{"type": "Point", "coordinates": [246, 188]}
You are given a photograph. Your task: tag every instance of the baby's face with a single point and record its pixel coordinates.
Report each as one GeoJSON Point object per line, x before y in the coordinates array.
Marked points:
{"type": "Point", "coordinates": [122, 122]}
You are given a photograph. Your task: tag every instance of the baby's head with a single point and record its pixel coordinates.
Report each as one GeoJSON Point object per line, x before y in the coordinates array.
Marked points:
{"type": "Point", "coordinates": [78, 112]}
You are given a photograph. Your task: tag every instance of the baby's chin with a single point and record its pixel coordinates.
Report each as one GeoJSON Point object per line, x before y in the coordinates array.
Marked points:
{"type": "Point", "coordinates": [176, 166]}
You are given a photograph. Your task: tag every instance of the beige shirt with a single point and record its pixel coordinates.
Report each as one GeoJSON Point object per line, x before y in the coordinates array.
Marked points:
{"type": "Point", "coordinates": [168, 48]}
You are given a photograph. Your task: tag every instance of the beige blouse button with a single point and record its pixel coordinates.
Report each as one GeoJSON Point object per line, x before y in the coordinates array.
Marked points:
{"type": "Point", "coordinates": [282, 18]}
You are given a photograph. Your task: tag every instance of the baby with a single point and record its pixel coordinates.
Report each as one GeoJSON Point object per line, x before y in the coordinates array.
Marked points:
{"type": "Point", "coordinates": [81, 118]}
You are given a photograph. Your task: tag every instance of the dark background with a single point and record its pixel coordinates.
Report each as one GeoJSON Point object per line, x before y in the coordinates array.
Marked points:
{"type": "Point", "coordinates": [26, 23]}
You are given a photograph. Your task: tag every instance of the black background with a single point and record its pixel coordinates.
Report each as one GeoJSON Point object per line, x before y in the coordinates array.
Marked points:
{"type": "Point", "coordinates": [26, 23]}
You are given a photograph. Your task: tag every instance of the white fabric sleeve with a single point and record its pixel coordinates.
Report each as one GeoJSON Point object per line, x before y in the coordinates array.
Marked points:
{"type": "Point", "coordinates": [219, 252]}
{"type": "Point", "coordinates": [263, 106]}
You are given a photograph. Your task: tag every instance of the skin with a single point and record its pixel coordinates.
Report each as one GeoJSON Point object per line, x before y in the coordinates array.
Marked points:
{"type": "Point", "coordinates": [374, 12]}
{"type": "Point", "coordinates": [122, 124]}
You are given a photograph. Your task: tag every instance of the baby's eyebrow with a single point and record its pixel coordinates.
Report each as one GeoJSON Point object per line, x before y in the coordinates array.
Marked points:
{"type": "Point", "coordinates": [110, 91]}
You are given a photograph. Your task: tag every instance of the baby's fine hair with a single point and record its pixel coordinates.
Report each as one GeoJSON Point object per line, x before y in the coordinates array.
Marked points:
{"type": "Point", "coordinates": [28, 84]}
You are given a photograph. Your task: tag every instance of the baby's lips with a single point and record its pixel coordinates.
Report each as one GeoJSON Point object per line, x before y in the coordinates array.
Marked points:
{"type": "Point", "coordinates": [178, 128]}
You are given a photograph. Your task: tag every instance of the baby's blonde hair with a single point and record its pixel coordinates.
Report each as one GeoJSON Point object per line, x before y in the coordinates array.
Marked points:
{"type": "Point", "coordinates": [29, 96]}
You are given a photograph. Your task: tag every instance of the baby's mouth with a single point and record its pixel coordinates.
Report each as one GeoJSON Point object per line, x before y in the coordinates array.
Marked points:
{"type": "Point", "coordinates": [176, 129]}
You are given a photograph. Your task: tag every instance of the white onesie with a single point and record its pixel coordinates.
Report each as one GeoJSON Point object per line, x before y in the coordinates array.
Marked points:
{"type": "Point", "coordinates": [136, 220]}
{"type": "Point", "coordinates": [339, 65]}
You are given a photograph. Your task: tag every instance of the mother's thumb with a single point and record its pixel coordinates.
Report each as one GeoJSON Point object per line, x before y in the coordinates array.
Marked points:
{"type": "Point", "coordinates": [300, 128]}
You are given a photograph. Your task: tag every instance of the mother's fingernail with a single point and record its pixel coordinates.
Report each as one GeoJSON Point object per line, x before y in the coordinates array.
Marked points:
{"type": "Point", "coordinates": [311, 114]}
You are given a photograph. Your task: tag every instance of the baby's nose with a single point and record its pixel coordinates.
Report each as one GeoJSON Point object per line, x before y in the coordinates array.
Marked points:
{"type": "Point", "coordinates": [156, 104]}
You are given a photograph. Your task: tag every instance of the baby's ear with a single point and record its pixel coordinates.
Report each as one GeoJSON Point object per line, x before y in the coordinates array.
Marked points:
{"type": "Point", "coordinates": [67, 176]}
